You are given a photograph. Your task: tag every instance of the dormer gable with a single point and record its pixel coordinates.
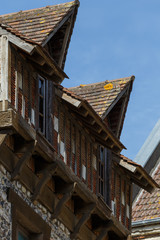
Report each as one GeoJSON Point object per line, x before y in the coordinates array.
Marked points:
{"type": "Point", "coordinates": [109, 99]}
{"type": "Point", "coordinates": [51, 27]}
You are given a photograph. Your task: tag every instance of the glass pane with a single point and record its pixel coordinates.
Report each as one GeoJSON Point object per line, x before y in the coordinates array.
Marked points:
{"type": "Point", "coordinates": [99, 168]}
{"type": "Point", "coordinates": [41, 123]}
{"type": "Point", "coordinates": [102, 188]}
{"type": "Point", "coordinates": [101, 154]}
{"type": "Point", "coordinates": [102, 171]}
{"type": "Point", "coordinates": [41, 105]}
{"type": "Point", "coordinates": [22, 237]}
{"type": "Point", "coordinates": [41, 87]}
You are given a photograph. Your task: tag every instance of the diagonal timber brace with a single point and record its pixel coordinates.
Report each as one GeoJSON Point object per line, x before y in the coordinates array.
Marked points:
{"type": "Point", "coordinates": [67, 195]}
{"type": "Point", "coordinates": [105, 229]}
{"type": "Point", "coordinates": [85, 216]}
{"type": "Point", "coordinates": [47, 174]}
{"type": "Point", "coordinates": [18, 168]}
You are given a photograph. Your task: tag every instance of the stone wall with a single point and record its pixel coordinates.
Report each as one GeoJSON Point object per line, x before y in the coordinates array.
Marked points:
{"type": "Point", "coordinates": [58, 230]}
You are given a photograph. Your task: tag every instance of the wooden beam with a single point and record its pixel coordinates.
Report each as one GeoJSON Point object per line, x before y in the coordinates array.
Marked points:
{"type": "Point", "coordinates": [2, 139]}
{"type": "Point", "coordinates": [57, 28]}
{"type": "Point", "coordinates": [63, 200]}
{"type": "Point", "coordinates": [47, 174]}
{"type": "Point", "coordinates": [105, 230]}
{"type": "Point", "coordinates": [37, 58]}
{"type": "Point", "coordinates": [23, 160]}
{"type": "Point", "coordinates": [83, 112]}
{"type": "Point", "coordinates": [44, 148]}
{"type": "Point", "coordinates": [65, 40]}
{"type": "Point", "coordinates": [83, 220]}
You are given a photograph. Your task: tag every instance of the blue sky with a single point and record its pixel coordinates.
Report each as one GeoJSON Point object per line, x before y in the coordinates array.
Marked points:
{"type": "Point", "coordinates": [115, 39]}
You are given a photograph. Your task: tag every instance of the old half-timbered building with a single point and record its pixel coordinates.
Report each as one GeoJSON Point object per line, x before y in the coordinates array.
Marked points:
{"type": "Point", "coordinates": [61, 172]}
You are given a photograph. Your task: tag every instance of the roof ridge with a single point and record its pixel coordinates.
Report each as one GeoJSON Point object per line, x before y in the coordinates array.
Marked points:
{"type": "Point", "coordinates": [132, 77]}
{"type": "Point", "coordinates": [49, 6]}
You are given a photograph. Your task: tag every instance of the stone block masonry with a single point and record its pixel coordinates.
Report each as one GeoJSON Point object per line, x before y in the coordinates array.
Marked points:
{"type": "Point", "coordinates": [58, 230]}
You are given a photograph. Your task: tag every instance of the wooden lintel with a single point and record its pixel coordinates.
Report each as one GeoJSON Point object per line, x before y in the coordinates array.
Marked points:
{"type": "Point", "coordinates": [47, 174]}
{"type": "Point", "coordinates": [23, 160]}
{"type": "Point", "coordinates": [105, 230]}
{"type": "Point", "coordinates": [83, 220]}
{"type": "Point", "coordinates": [62, 201]}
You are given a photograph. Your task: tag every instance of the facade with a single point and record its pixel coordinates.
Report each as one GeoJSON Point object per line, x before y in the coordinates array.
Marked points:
{"type": "Point", "coordinates": [61, 172]}
{"type": "Point", "coordinates": [146, 211]}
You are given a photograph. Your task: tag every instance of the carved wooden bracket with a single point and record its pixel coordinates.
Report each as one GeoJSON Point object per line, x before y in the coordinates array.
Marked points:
{"type": "Point", "coordinates": [23, 160]}
{"type": "Point", "coordinates": [48, 172]}
{"type": "Point", "coordinates": [86, 213]}
{"type": "Point", "coordinates": [105, 230]}
{"type": "Point", "coordinates": [68, 191]}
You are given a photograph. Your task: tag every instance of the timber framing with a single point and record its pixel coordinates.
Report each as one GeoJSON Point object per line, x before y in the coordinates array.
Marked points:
{"type": "Point", "coordinates": [54, 167]}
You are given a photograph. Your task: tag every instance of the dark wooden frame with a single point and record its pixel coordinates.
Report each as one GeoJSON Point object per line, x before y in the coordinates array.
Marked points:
{"type": "Point", "coordinates": [23, 216]}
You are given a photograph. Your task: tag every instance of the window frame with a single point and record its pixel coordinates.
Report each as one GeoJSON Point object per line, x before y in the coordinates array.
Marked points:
{"type": "Point", "coordinates": [101, 173]}
{"type": "Point", "coordinates": [26, 220]}
{"type": "Point", "coordinates": [43, 97]}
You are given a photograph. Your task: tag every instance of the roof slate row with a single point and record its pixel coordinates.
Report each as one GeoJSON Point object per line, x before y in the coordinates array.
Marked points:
{"type": "Point", "coordinates": [37, 24]}
{"type": "Point", "coordinates": [148, 205]}
{"type": "Point", "coordinates": [101, 95]}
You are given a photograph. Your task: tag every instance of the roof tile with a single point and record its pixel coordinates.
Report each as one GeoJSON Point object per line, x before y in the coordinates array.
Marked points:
{"type": "Point", "coordinates": [99, 96]}
{"type": "Point", "coordinates": [36, 24]}
{"type": "Point", "coordinates": [148, 205]}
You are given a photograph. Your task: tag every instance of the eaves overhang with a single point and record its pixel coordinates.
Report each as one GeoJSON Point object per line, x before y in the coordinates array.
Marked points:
{"type": "Point", "coordinates": [137, 173]}
{"type": "Point", "coordinates": [35, 53]}
{"type": "Point", "coordinates": [90, 119]}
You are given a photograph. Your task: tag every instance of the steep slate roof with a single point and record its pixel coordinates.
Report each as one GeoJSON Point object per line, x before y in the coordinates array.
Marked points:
{"type": "Point", "coordinates": [37, 24]}
{"type": "Point", "coordinates": [103, 94]}
{"type": "Point", "coordinates": [147, 206]}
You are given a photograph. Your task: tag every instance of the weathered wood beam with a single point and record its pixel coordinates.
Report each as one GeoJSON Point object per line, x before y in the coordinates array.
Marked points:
{"type": "Point", "coordinates": [37, 58]}
{"type": "Point", "coordinates": [83, 219]}
{"type": "Point", "coordinates": [83, 111]}
{"type": "Point", "coordinates": [64, 45]}
{"type": "Point", "coordinates": [63, 200]}
{"type": "Point", "coordinates": [64, 189]}
{"type": "Point", "coordinates": [85, 208]}
{"type": "Point", "coordinates": [47, 174]}
{"type": "Point", "coordinates": [44, 148]}
{"type": "Point", "coordinates": [23, 160]}
{"type": "Point", "coordinates": [2, 139]}
{"type": "Point", "coordinates": [105, 230]}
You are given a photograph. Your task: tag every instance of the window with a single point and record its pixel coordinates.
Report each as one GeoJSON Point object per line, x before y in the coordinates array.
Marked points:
{"type": "Point", "coordinates": [41, 103]}
{"type": "Point", "coordinates": [26, 223]}
{"type": "Point", "coordinates": [101, 169]}
{"type": "Point", "coordinates": [104, 174]}
{"type": "Point", "coordinates": [23, 235]}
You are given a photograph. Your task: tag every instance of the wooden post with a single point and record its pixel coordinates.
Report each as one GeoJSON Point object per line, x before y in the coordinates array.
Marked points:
{"type": "Point", "coordinates": [4, 71]}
